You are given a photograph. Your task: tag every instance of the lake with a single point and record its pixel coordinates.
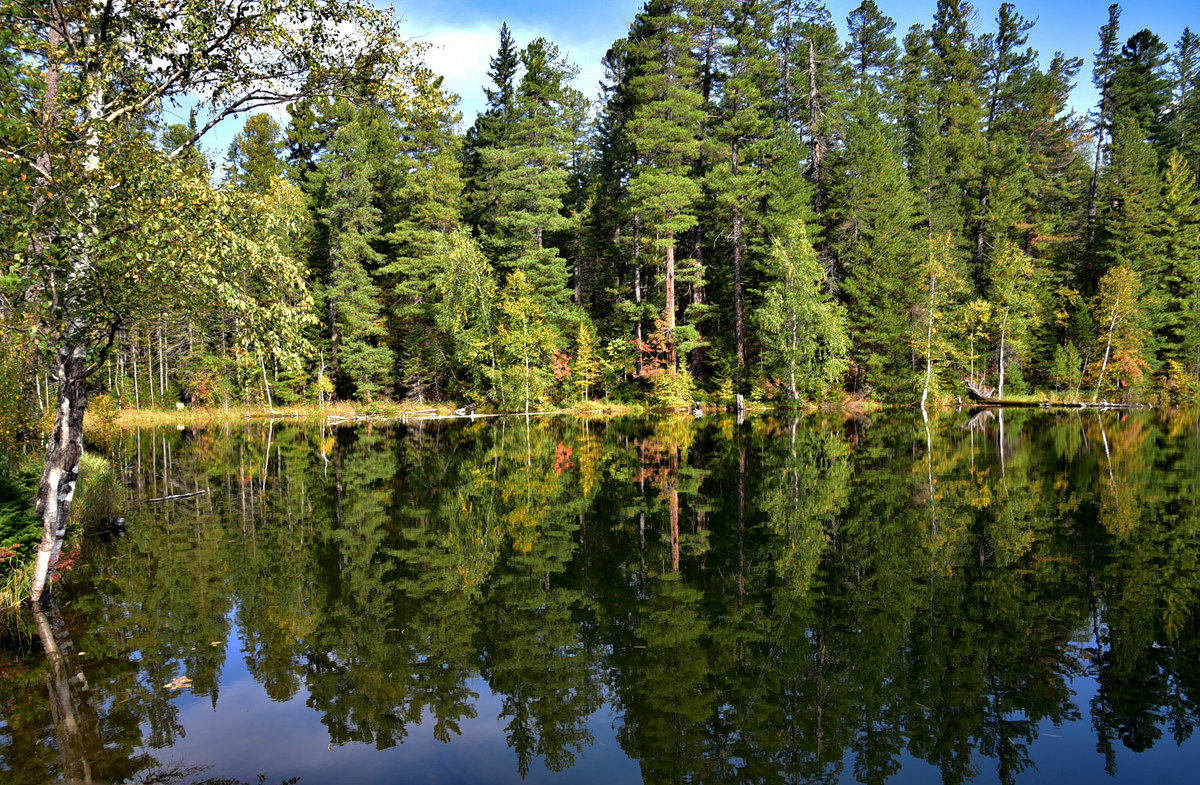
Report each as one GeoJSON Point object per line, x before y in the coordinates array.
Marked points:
{"type": "Point", "coordinates": [784, 600]}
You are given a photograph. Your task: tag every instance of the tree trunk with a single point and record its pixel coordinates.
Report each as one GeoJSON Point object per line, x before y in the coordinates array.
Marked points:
{"type": "Point", "coordinates": [137, 393]}
{"type": "Point", "coordinates": [150, 366]}
{"type": "Point", "coordinates": [1003, 334]}
{"type": "Point", "coordinates": [814, 114]}
{"type": "Point", "coordinates": [673, 507]}
{"type": "Point", "coordinates": [929, 342]}
{"type": "Point", "coordinates": [60, 473]}
{"type": "Point", "coordinates": [1112, 325]}
{"type": "Point", "coordinates": [76, 723]}
{"type": "Point", "coordinates": [669, 310]}
{"type": "Point", "coordinates": [696, 358]}
{"type": "Point", "coordinates": [739, 337]}
{"type": "Point", "coordinates": [637, 282]}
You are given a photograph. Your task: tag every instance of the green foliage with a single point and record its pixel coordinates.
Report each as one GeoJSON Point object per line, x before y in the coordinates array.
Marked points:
{"type": "Point", "coordinates": [808, 345]}
{"type": "Point", "coordinates": [524, 341]}
{"type": "Point", "coordinates": [588, 367]}
{"type": "Point", "coordinates": [1122, 351]}
{"type": "Point", "coordinates": [20, 528]}
{"type": "Point", "coordinates": [17, 411]}
{"type": "Point", "coordinates": [466, 312]}
{"type": "Point", "coordinates": [1066, 373]}
{"type": "Point", "coordinates": [721, 125]}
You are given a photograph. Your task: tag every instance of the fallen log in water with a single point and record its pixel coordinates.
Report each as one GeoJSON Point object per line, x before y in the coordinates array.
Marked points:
{"type": "Point", "coordinates": [982, 396]}
{"type": "Point", "coordinates": [175, 497]}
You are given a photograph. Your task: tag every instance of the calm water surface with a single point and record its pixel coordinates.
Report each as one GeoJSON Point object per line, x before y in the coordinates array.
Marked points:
{"type": "Point", "coordinates": [821, 600]}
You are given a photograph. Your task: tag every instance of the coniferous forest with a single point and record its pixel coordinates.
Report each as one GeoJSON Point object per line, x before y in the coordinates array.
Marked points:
{"type": "Point", "coordinates": [755, 204]}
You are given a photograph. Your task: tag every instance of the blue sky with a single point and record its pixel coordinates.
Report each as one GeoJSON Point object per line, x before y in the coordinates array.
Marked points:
{"type": "Point", "coordinates": [464, 33]}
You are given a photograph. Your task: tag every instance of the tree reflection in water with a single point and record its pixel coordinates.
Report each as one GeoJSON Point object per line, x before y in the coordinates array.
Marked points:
{"type": "Point", "coordinates": [779, 600]}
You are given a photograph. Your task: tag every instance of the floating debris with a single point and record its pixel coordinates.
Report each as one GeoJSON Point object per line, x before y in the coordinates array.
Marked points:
{"type": "Point", "coordinates": [178, 683]}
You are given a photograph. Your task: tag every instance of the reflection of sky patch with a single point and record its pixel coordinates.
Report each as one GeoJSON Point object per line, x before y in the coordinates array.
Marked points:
{"type": "Point", "coordinates": [250, 734]}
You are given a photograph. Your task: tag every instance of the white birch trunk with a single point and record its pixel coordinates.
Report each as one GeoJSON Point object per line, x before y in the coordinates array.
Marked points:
{"type": "Point", "coordinates": [1112, 325]}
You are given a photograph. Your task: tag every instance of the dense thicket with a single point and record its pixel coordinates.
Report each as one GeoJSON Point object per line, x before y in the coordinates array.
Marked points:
{"type": "Point", "coordinates": [753, 206]}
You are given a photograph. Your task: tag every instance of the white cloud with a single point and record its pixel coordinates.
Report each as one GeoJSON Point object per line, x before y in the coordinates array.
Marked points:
{"type": "Point", "coordinates": [461, 55]}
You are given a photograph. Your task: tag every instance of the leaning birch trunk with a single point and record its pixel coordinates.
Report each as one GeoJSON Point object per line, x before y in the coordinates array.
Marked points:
{"type": "Point", "coordinates": [929, 342]}
{"type": "Point", "coordinates": [1112, 325]}
{"type": "Point", "coordinates": [60, 472]}
{"type": "Point", "coordinates": [56, 492]}
{"type": "Point", "coordinates": [1003, 333]}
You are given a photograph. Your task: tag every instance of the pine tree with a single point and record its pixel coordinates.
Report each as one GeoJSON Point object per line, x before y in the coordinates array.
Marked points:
{"type": "Point", "coordinates": [874, 56]}
{"type": "Point", "coordinates": [746, 133]}
{"type": "Point", "coordinates": [1009, 68]}
{"type": "Point", "coordinates": [1141, 88]}
{"type": "Point", "coordinates": [1182, 123]}
{"type": "Point", "coordinates": [1104, 71]}
{"type": "Point", "coordinates": [815, 77]}
{"type": "Point", "coordinates": [665, 121]}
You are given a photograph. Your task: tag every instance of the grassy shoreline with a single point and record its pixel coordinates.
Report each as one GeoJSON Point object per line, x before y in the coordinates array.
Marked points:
{"type": "Point", "coordinates": [387, 410]}
{"type": "Point", "coordinates": [340, 411]}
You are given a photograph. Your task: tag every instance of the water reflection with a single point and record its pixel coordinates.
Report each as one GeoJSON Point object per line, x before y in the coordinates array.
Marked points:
{"type": "Point", "coordinates": [780, 600]}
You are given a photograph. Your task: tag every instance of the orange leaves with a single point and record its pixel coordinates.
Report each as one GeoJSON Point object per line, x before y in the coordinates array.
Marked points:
{"type": "Point", "coordinates": [562, 459]}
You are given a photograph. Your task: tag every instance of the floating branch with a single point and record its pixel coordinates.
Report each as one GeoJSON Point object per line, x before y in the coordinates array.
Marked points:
{"type": "Point", "coordinates": [175, 497]}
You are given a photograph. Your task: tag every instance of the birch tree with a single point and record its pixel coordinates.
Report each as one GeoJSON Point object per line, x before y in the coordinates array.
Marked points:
{"type": "Point", "coordinates": [110, 224]}
{"type": "Point", "coordinates": [808, 343]}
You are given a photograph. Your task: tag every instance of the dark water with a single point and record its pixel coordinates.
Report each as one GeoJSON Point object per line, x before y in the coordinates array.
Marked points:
{"type": "Point", "coordinates": [821, 600]}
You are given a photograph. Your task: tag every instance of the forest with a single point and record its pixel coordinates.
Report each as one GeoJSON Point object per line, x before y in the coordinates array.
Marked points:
{"type": "Point", "coordinates": [753, 205]}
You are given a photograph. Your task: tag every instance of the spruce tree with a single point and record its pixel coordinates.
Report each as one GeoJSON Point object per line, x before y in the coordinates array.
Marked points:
{"type": "Point", "coordinates": [959, 148]}
{"type": "Point", "coordinates": [491, 130]}
{"type": "Point", "coordinates": [528, 177]}
{"type": "Point", "coordinates": [1131, 223]}
{"type": "Point", "coordinates": [873, 219]}
{"type": "Point", "coordinates": [879, 250]}
{"type": "Point", "coordinates": [345, 181]}
{"type": "Point", "coordinates": [426, 206]}
{"type": "Point", "coordinates": [1181, 273]}
{"type": "Point", "coordinates": [255, 156]}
